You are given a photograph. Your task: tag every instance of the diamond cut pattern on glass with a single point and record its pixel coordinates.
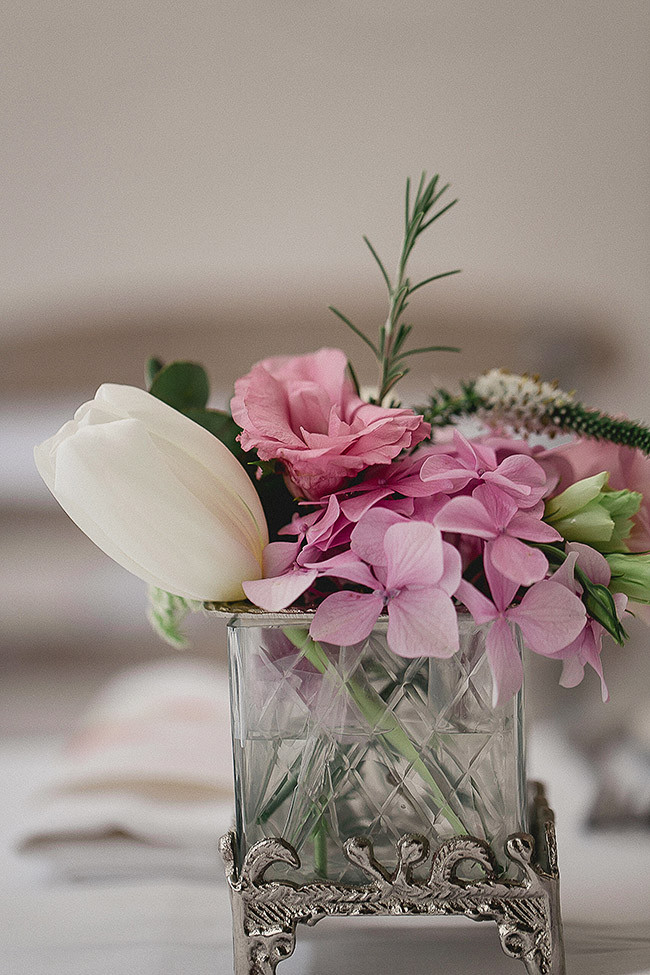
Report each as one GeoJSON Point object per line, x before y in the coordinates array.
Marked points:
{"type": "Point", "coordinates": [310, 760]}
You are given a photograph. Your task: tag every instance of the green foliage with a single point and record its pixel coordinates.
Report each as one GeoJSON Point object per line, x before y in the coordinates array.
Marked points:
{"type": "Point", "coordinates": [575, 418]}
{"type": "Point", "coordinates": [183, 385]}
{"type": "Point", "coordinates": [151, 369]}
{"type": "Point", "coordinates": [389, 350]}
{"type": "Point", "coordinates": [222, 426]}
{"type": "Point", "coordinates": [166, 613]}
{"type": "Point", "coordinates": [563, 416]}
{"type": "Point", "coordinates": [444, 407]}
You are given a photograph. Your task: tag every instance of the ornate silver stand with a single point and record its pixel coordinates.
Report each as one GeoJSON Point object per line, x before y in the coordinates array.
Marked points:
{"type": "Point", "coordinates": [526, 911]}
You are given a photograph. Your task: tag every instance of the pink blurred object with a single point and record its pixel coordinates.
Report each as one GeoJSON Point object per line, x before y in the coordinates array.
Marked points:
{"type": "Point", "coordinates": [627, 468]}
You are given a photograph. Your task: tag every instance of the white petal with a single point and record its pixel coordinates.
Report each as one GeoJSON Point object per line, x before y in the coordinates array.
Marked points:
{"type": "Point", "coordinates": [117, 487]}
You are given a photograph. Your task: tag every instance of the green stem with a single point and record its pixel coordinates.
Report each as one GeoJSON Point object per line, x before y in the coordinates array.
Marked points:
{"type": "Point", "coordinates": [378, 717]}
{"type": "Point", "coordinates": [319, 837]}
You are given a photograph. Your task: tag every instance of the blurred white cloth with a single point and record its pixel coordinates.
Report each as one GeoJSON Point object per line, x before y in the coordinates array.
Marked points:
{"type": "Point", "coordinates": [144, 787]}
{"type": "Point", "coordinates": [158, 909]}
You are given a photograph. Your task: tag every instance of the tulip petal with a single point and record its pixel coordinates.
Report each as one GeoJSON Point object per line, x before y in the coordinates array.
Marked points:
{"type": "Point", "coordinates": [196, 455]}
{"type": "Point", "coordinates": [111, 476]}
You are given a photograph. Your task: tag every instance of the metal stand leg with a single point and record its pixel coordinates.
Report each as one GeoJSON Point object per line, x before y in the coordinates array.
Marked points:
{"type": "Point", "coordinates": [526, 911]}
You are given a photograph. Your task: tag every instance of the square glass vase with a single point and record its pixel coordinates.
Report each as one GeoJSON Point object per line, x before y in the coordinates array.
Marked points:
{"type": "Point", "coordinates": [334, 742]}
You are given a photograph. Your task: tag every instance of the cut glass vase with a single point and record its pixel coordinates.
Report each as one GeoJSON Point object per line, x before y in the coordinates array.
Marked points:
{"type": "Point", "coordinates": [334, 742]}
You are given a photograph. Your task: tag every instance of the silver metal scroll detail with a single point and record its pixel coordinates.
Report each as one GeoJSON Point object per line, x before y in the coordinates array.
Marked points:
{"type": "Point", "coordinates": [526, 911]}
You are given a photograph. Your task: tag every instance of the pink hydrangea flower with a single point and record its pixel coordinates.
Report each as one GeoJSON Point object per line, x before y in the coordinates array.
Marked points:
{"type": "Point", "coordinates": [414, 578]}
{"type": "Point", "coordinates": [627, 468]}
{"type": "Point", "coordinates": [303, 411]}
{"type": "Point", "coordinates": [517, 474]}
{"type": "Point", "coordinates": [290, 568]}
{"type": "Point", "coordinates": [549, 617]}
{"type": "Point", "coordinates": [587, 646]}
{"type": "Point", "coordinates": [402, 477]}
{"type": "Point", "coordinates": [495, 516]}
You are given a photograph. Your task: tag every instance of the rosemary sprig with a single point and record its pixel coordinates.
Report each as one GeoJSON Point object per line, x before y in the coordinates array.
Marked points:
{"type": "Point", "coordinates": [389, 350]}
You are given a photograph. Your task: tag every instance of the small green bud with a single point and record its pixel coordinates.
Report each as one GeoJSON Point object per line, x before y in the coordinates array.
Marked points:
{"type": "Point", "coordinates": [631, 575]}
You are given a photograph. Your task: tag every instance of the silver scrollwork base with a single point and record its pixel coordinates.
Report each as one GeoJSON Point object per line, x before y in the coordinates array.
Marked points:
{"type": "Point", "coordinates": [526, 910]}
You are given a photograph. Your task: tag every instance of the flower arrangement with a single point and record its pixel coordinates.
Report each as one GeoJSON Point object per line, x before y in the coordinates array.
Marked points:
{"type": "Point", "coordinates": [313, 494]}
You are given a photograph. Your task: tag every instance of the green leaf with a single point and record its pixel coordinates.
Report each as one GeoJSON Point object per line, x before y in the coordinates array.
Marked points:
{"type": "Point", "coordinates": [427, 348]}
{"type": "Point", "coordinates": [435, 277]}
{"type": "Point", "coordinates": [354, 378]}
{"type": "Point", "coordinates": [183, 385]}
{"type": "Point", "coordinates": [357, 331]}
{"type": "Point", "coordinates": [379, 262]}
{"type": "Point", "coordinates": [221, 425]}
{"type": "Point", "coordinates": [151, 369]}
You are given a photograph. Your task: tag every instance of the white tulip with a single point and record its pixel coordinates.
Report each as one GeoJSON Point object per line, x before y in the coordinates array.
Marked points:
{"type": "Point", "coordinates": [158, 493]}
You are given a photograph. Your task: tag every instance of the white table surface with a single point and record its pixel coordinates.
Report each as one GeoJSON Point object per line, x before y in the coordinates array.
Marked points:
{"type": "Point", "coordinates": [174, 928]}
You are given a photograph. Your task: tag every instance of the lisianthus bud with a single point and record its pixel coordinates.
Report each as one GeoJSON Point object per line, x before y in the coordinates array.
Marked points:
{"type": "Point", "coordinates": [589, 512]}
{"type": "Point", "coordinates": [158, 493]}
{"type": "Point", "coordinates": [631, 575]}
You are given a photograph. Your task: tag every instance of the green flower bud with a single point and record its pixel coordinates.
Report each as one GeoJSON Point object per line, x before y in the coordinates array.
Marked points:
{"type": "Point", "coordinates": [589, 512]}
{"type": "Point", "coordinates": [631, 575]}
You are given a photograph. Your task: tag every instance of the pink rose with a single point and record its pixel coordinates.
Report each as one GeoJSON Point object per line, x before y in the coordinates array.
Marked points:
{"type": "Point", "coordinates": [304, 412]}
{"type": "Point", "coordinates": [628, 468]}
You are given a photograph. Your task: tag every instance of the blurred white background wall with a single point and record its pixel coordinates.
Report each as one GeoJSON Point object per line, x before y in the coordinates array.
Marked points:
{"type": "Point", "coordinates": [193, 179]}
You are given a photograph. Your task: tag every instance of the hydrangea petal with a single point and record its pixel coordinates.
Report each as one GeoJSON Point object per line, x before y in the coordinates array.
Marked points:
{"type": "Point", "coordinates": [482, 609]}
{"type": "Point", "coordinates": [281, 591]}
{"type": "Point", "coordinates": [346, 618]}
{"type": "Point", "coordinates": [467, 516]}
{"type": "Point", "coordinates": [422, 623]}
{"type": "Point", "coordinates": [549, 616]}
{"type": "Point", "coordinates": [505, 662]}
{"type": "Point", "coordinates": [515, 560]}
{"type": "Point", "coordinates": [367, 539]}
{"type": "Point", "coordinates": [413, 555]}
